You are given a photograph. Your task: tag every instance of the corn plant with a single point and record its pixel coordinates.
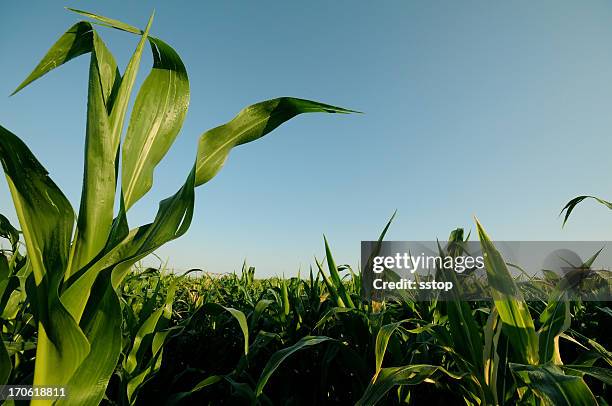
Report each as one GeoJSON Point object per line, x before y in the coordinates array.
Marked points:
{"type": "Point", "coordinates": [79, 261]}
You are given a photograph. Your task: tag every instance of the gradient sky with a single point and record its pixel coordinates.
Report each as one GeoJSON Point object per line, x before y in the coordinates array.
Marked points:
{"type": "Point", "coordinates": [496, 109]}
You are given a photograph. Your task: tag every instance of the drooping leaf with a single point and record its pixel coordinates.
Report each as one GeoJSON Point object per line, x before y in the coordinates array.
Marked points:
{"type": "Point", "coordinates": [390, 377]}
{"type": "Point", "coordinates": [249, 125]}
{"type": "Point", "coordinates": [382, 340]}
{"type": "Point", "coordinates": [279, 356]}
{"type": "Point", "coordinates": [239, 316]}
{"type": "Point", "coordinates": [157, 117]}
{"type": "Point", "coordinates": [571, 205]}
{"type": "Point", "coordinates": [550, 384]}
{"type": "Point", "coordinates": [602, 374]}
{"type": "Point", "coordinates": [176, 398]}
{"type": "Point", "coordinates": [74, 42]}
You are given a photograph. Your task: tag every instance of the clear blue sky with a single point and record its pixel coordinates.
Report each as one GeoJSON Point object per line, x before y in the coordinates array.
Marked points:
{"type": "Point", "coordinates": [497, 109]}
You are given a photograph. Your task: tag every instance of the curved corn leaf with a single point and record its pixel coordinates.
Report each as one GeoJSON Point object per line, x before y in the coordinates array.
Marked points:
{"type": "Point", "coordinates": [239, 316]}
{"type": "Point", "coordinates": [554, 320]}
{"type": "Point", "coordinates": [74, 42]}
{"type": "Point", "coordinates": [176, 398]}
{"type": "Point", "coordinates": [552, 386]}
{"type": "Point", "coordinates": [382, 340]}
{"type": "Point", "coordinates": [333, 313]}
{"type": "Point", "coordinates": [157, 117]}
{"type": "Point", "coordinates": [602, 374]}
{"type": "Point", "coordinates": [571, 205]}
{"type": "Point", "coordinates": [46, 219]}
{"type": "Point", "coordinates": [512, 308]}
{"type": "Point", "coordinates": [260, 307]}
{"type": "Point", "coordinates": [211, 380]}
{"type": "Point", "coordinates": [279, 356]}
{"type": "Point", "coordinates": [249, 125]}
{"type": "Point", "coordinates": [388, 378]}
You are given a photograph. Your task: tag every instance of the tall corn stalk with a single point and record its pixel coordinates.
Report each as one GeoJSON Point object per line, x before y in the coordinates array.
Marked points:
{"type": "Point", "coordinates": [76, 270]}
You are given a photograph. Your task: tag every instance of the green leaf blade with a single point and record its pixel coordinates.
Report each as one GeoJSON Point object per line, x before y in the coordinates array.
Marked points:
{"type": "Point", "coordinates": [157, 117]}
{"type": "Point", "coordinates": [73, 43]}
{"type": "Point", "coordinates": [249, 125]}
{"type": "Point", "coordinates": [509, 302]}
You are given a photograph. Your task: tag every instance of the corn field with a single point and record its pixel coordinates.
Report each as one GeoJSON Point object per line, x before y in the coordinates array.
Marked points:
{"type": "Point", "coordinates": [79, 311]}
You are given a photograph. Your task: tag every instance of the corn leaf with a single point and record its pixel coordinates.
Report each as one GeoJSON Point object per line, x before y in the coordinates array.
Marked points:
{"type": "Point", "coordinates": [602, 374]}
{"type": "Point", "coordinates": [260, 307]}
{"type": "Point", "coordinates": [279, 356]}
{"type": "Point", "coordinates": [554, 320]}
{"type": "Point", "coordinates": [390, 377]}
{"type": "Point", "coordinates": [571, 205]}
{"type": "Point", "coordinates": [335, 277]}
{"type": "Point", "coordinates": [74, 42]}
{"type": "Point", "coordinates": [117, 116]}
{"type": "Point", "coordinates": [157, 117]}
{"type": "Point", "coordinates": [108, 22]}
{"type": "Point", "coordinates": [552, 386]}
{"type": "Point", "coordinates": [215, 309]}
{"type": "Point", "coordinates": [509, 302]}
{"type": "Point", "coordinates": [382, 340]}
{"type": "Point", "coordinates": [331, 288]}
{"type": "Point", "coordinates": [46, 219]}
{"type": "Point", "coordinates": [249, 125]}
{"type": "Point", "coordinates": [491, 359]}
{"type": "Point", "coordinates": [99, 174]}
